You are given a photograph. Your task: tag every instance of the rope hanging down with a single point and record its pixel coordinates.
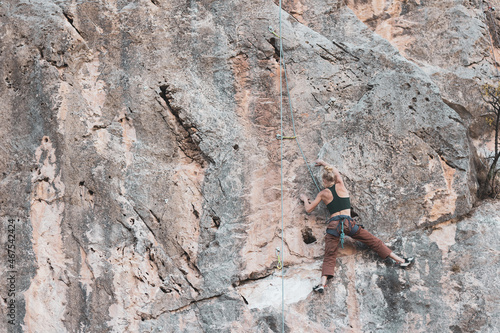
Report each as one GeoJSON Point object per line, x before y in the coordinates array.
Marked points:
{"type": "Point", "coordinates": [293, 126]}
{"type": "Point", "coordinates": [281, 181]}
{"type": "Point", "coordinates": [281, 137]}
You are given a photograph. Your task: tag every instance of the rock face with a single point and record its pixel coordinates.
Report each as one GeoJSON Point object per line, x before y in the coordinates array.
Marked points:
{"type": "Point", "coordinates": [458, 53]}
{"type": "Point", "coordinates": [141, 172]}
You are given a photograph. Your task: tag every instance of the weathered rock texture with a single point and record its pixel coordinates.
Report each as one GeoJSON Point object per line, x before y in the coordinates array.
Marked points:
{"type": "Point", "coordinates": [141, 168]}
{"type": "Point", "coordinates": [454, 42]}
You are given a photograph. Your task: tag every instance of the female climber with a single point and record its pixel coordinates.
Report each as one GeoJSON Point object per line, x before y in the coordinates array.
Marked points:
{"type": "Point", "coordinates": [336, 198]}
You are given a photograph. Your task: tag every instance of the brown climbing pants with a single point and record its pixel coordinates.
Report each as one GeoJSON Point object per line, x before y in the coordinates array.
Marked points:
{"type": "Point", "coordinates": [332, 245]}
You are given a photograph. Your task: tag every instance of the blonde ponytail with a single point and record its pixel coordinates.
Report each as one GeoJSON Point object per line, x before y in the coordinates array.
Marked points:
{"type": "Point", "coordinates": [329, 175]}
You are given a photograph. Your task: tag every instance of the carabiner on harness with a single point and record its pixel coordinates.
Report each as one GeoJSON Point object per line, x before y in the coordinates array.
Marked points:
{"type": "Point", "coordinates": [342, 234]}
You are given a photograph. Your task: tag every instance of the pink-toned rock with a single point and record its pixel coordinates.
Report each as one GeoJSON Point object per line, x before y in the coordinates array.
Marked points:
{"type": "Point", "coordinates": [141, 169]}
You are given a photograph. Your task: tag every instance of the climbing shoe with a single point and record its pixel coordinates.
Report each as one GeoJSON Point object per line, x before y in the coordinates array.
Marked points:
{"type": "Point", "coordinates": [319, 288]}
{"type": "Point", "coordinates": [407, 263]}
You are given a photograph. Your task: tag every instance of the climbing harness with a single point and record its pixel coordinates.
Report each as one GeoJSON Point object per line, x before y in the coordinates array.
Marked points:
{"type": "Point", "coordinates": [339, 230]}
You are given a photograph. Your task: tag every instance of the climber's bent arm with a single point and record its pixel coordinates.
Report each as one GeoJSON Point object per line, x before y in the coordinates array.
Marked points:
{"type": "Point", "coordinates": [310, 206]}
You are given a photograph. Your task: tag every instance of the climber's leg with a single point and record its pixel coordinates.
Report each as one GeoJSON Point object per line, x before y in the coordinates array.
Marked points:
{"type": "Point", "coordinates": [374, 243]}
{"type": "Point", "coordinates": [378, 246]}
{"type": "Point", "coordinates": [329, 261]}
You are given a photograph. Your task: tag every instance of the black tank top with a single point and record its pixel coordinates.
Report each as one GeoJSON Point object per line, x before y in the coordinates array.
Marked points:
{"type": "Point", "coordinates": [338, 204]}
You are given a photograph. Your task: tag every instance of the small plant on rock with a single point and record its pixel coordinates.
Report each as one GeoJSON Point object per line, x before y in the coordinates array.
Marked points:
{"type": "Point", "coordinates": [491, 95]}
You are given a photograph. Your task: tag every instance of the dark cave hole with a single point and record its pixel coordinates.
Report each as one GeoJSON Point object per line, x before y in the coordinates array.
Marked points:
{"type": "Point", "coordinates": [308, 236]}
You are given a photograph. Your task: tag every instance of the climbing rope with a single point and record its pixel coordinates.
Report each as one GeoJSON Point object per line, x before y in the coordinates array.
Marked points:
{"type": "Point", "coordinates": [281, 137]}
{"type": "Point", "coordinates": [293, 125]}
{"type": "Point", "coordinates": [281, 177]}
